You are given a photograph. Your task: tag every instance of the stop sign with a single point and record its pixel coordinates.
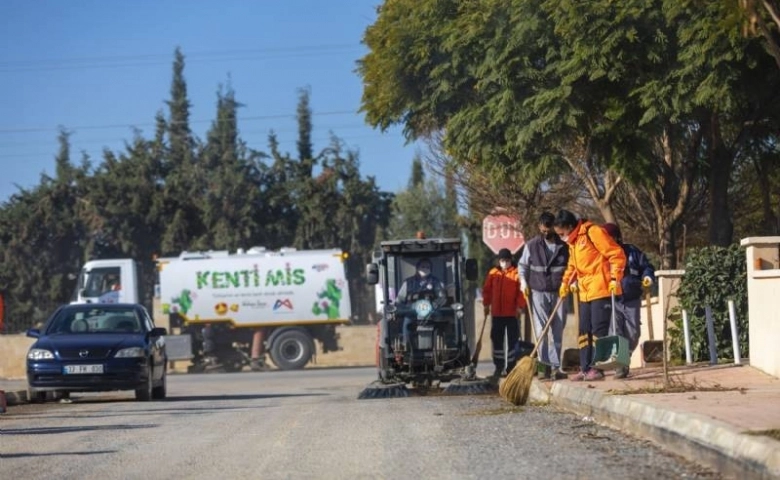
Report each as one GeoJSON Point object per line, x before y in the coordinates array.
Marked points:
{"type": "Point", "coordinates": [502, 231]}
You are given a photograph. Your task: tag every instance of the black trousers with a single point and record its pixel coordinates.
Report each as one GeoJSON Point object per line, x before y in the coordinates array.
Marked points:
{"type": "Point", "coordinates": [498, 326]}
{"type": "Point", "coordinates": [595, 317]}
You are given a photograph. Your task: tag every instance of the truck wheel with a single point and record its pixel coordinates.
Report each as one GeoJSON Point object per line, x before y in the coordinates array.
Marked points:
{"type": "Point", "coordinates": [291, 350]}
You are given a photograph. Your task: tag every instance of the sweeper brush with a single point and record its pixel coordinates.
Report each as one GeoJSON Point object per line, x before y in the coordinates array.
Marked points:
{"type": "Point", "coordinates": [463, 386]}
{"type": "Point", "coordinates": [379, 389]}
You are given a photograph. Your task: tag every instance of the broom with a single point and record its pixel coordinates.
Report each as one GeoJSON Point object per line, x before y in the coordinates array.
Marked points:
{"type": "Point", "coordinates": [478, 346]}
{"type": "Point", "coordinates": [517, 385]}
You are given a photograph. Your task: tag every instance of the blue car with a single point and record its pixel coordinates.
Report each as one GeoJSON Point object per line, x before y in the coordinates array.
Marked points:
{"type": "Point", "coordinates": [96, 348]}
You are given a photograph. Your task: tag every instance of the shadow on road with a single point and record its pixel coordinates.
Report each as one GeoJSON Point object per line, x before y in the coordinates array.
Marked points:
{"type": "Point", "coordinates": [55, 430]}
{"type": "Point", "coordinates": [53, 454]}
{"type": "Point", "coordinates": [240, 396]}
{"type": "Point", "coordinates": [126, 413]}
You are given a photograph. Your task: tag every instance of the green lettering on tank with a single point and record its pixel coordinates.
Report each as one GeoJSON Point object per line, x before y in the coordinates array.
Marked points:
{"type": "Point", "coordinates": [274, 278]}
{"type": "Point", "coordinates": [232, 279]}
{"type": "Point", "coordinates": [203, 279]}
{"type": "Point", "coordinates": [285, 277]}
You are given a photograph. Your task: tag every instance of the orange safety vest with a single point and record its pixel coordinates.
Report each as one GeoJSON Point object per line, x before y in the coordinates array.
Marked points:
{"type": "Point", "coordinates": [502, 292]}
{"type": "Point", "coordinates": [594, 258]}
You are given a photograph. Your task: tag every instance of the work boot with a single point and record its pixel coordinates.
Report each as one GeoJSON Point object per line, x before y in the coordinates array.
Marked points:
{"type": "Point", "coordinates": [559, 375]}
{"type": "Point", "coordinates": [544, 373]}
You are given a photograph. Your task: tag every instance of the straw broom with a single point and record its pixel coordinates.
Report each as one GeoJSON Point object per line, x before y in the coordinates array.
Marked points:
{"type": "Point", "coordinates": [517, 385]}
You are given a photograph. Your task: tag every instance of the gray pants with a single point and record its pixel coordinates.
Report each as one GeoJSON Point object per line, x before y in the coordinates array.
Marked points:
{"type": "Point", "coordinates": [627, 319]}
{"type": "Point", "coordinates": [542, 304]}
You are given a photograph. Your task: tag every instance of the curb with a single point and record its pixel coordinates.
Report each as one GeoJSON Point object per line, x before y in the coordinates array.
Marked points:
{"type": "Point", "coordinates": [693, 436]}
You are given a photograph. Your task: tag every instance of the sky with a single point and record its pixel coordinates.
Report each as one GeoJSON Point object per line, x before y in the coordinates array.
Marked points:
{"type": "Point", "coordinates": [101, 68]}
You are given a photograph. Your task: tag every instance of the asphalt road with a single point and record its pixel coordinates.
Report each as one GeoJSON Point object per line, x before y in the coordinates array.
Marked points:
{"type": "Point", "coordinates": [310, 425]}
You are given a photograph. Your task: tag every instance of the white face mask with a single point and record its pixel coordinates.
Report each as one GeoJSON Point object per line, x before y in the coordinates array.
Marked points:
{"type": "Point", "coordinates": [504, 264]}
{"type": "Point", "coordinates": [565, 238]}
{"type": "Point", "coordinates": [423, 272]}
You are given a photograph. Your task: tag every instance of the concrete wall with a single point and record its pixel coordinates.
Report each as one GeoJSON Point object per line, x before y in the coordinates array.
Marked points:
{"type": "Point", "coordinates": [763, 277]}
{"type": "Point", "coordinates": [13, 353]}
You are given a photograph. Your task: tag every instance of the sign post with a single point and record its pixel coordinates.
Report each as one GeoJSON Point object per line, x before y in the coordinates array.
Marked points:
{"type": "Point", "coordinates": [502, 231]}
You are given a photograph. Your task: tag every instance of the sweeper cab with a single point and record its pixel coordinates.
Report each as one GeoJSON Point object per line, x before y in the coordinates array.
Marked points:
{"type": "Point", "coordinates": [422, 335]}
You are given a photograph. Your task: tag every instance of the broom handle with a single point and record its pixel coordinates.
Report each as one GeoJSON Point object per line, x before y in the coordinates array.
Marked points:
{"type": "Point", "coordinates": [547, 325]}
{"type": "Point", "coordinates": [649, 314]}
{"type": "Point", "coordinates": [478, 346]}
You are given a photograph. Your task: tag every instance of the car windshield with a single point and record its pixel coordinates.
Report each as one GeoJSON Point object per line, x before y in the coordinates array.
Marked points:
{"type": "Point", "coordinates": [95, 320]}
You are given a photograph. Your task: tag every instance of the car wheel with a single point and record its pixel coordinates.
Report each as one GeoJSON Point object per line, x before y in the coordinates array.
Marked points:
{"type": "Point", "coordinates": [36, 396]}
{"type": "Point", "coordinates": [291, 350]}
{"type": "Point", "coordinates": [159, 392]}
{"type": "Point", "coordinates": [144, 394]}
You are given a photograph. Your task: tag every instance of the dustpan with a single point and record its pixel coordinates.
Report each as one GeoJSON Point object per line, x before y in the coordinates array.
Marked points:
{"type": "Point", "coordinates": [612, 351]}
{"type": "Point", "coordinates": [652, 350]}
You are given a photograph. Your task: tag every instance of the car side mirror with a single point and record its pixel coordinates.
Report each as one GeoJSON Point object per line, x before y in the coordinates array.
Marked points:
{"type": "Point", "coordinates": [372, 273]}
{"type": "Point", "coordinates": [33, 333]}
{"type": "Point", "coordinates": [158, 332]}
{"type": "Point", "coordinates": [472, 270]}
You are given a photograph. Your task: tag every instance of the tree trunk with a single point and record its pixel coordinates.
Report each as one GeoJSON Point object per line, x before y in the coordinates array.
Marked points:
{"type": "Point", "coordinates": [721, 161]}
{"type": "Point", "coordinates": [769, 220]}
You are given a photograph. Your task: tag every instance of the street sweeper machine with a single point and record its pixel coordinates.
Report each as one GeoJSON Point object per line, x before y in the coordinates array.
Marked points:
{"type": "Point", "coordinates": [422, 334]}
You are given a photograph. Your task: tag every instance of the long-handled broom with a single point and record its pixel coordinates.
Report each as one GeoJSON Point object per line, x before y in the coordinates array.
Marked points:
{"type": "Point", "coordinates": [478, 346]}
{"type": "Point", "coordinates": [517, 385]}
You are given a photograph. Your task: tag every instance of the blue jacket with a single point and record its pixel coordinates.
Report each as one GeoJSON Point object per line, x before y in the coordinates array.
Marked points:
{"type": "Point", "coordinates": [637, 268]}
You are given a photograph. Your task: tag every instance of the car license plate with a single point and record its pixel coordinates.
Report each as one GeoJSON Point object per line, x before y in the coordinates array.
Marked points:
{"type": "Point", "coordinates": [88, 369]}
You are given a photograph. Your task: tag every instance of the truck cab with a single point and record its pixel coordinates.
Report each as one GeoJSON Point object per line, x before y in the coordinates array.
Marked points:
{"type": "Point", "coordinates": [108, 281]}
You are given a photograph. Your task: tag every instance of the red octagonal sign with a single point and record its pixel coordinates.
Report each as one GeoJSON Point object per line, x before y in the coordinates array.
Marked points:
{"type": "Point", "coordinates": [502, 231]}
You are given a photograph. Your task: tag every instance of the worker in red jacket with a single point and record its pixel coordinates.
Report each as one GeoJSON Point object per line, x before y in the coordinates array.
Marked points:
{"type": "Point", "coordinates": [503, 300]}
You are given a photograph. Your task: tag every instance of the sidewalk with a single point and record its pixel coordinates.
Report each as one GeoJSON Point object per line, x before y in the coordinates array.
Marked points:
{"type": "Point", "coordinates": [724, 416]}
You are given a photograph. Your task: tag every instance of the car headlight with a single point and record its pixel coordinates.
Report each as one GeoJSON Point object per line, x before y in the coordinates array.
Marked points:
{"type": "Point", "coordinates": [39, 354]}
{"type": "Point", "coordinates": [132, 352]}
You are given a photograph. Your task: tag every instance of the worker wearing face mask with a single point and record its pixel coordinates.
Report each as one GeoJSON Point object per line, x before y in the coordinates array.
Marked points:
{"type": "Point", "coordinates": [422, 282]}
{"type": "Point", "coordinates": [542, 265]}
{"type": "Point", "coordinates": [503, 300]}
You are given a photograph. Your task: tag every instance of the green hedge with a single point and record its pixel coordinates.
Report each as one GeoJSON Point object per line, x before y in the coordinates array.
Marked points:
{"type": "Point", "coordinates": [713, 275]}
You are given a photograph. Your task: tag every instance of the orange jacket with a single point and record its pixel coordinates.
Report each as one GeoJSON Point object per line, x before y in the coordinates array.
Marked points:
{"type": "Point", "coordinates": [502, 292]}
{"type": "Point", "coordinates": [594, 258]}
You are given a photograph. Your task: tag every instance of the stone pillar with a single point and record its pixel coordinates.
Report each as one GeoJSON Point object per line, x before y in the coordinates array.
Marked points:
{"type": "Point", "coordinates": [763, 282]}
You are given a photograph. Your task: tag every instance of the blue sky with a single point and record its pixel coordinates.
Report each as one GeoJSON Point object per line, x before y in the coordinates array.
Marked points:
{"type": "Point", "coordinates": [100, 67]}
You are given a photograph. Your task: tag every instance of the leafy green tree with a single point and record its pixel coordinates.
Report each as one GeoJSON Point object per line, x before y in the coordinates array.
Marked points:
{"type": "Point", "coordinates": [230, 191]}
{"type": "Point", "coordinates": [423, 206]}
{"type": "Point", "coordinates": [183, 181]}
{"type": "Point", "coordinates": [42, 240]}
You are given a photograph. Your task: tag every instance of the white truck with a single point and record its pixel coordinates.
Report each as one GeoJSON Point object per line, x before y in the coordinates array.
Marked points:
{"type": "Point", "coordinates": [221, 300]}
